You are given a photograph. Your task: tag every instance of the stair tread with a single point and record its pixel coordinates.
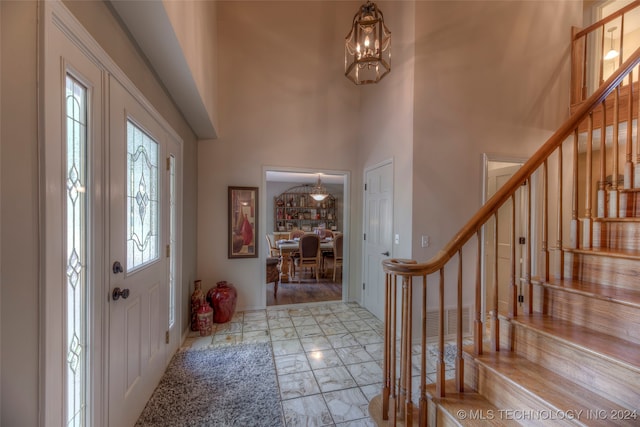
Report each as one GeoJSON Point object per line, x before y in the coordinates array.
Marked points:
{"type": "Point", "coordinates": [557, 391]}
{"type": "Point", "coordinates": [606, 292]}
{"type": "Point", "coordinates": [615, 253]}
{"type": "Point", "coordinates": [618, 219]}
{"type": "Point", "coordinates": [608, 346]}
{"type": "Point", "coordinates": [475, 409]}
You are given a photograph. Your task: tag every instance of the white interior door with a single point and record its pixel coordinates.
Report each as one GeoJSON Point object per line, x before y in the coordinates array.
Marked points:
{"type": "Point", "coordinates": [495, 179]}
{"type": "Point", "coordinates": [378, 223]}
{"type": "Point", "coordinates": [138, 254]}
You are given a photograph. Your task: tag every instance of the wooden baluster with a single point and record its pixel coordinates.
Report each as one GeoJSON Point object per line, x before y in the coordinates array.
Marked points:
{"type": "Point", "coordinates": [636, 175]}
{"type": "Point", "coordinates": [440, 370]}
{"type": "Point", "coordinates": [513, 306]}
{"type": "Point", "coordinates": [614, 208]}
{"type": "Point", "coordinates": [575, 235]}
{"type": "Point", "coordinates": [620, 43]}
{"type": "Point", "coordinates": [495, 333]}
{"type": "Point", "coordinates": [559, 239]}
{"type": "Point", "coordinates": [423, 357]}
{"type": "Point", "coordinates": [584, 68]}
{"type": "Point", "coordinates": [529, 309]}
{"type": "Point", "coordinates": [602, 57]}
{"type": "Point", "coordinates": [545, 220]}
{"type": "Point", "coordinates": [628, 165]}
{"type": "Point", "coordinates": [459, 359]}
{"type": "Point", "coordinates": [404, 375]}
{"type": "Point", "coordinates": [393, 399]}
{"type": "Point", "coordinates": [578, 70]}
{"type": "Point", "coordinates": [586, 231]}
{"type": "Point", "coordinates": [408, 403]}
{"type": "Point", "coordinates": [478, 335]}
{"type": "Point", "coordinates": [602, 182]}
{"type": "Point", "coordinates": [387, 344]}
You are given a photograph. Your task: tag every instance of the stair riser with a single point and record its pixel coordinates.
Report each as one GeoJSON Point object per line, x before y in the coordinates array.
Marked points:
{"type": "Point", "coordinates": [611, 271]}
{"type": "Point", "coordinates": [439, 417]}
{"type": "Point", "coordinates": [507, 395]}
{"type": "Point", "coordinates": [633, 204]}
{"type": "Point", "coordinates": [609, 379]}
{"type": "Point", "coordinates": [618, 235]}
{"type": "Point", "coordinates": [470, 373]}
{"type": "Point", "coordinates": [622, 321]}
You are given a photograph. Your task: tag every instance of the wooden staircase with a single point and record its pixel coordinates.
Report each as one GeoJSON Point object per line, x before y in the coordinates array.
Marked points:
{"type": "Point", "coordinates": [567, 350]}
{"type": "Point", "coordinates": [574, 361]}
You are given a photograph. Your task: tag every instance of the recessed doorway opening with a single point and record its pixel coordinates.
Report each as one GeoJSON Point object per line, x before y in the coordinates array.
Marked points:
{"type": "Point", "coordinates": [291, 213]}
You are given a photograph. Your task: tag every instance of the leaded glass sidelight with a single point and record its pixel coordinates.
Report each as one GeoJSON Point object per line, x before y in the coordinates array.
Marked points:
{"type": "Point", "coordinates": [142, 198]}
{"type": "Point", "coordinates": [76, 253]}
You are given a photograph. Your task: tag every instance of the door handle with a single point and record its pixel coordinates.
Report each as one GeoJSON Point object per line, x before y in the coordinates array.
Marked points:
{"type": "Point", "coordinates": [117, 293]}
{"type": "Point", "coordinates": [385, 253]}
{"type": "Point", "coordinates": [117, 267]}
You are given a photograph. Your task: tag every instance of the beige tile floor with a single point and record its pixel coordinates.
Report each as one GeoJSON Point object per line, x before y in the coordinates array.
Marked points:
{"type": "Point", "coordinates": [328, 359]}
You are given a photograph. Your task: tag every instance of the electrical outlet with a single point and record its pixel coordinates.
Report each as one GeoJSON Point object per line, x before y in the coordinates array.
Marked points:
{"type": "Point", "coordinates": [425, 241]}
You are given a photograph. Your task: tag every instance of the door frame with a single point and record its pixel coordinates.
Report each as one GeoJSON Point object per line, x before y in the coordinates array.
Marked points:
{"type": "Point", "coordinates": [487, 159]}
{"type": "Point", "coordinates": [387, 162]}
{"type": "Point", "coordinates": [55, 17]}
{"type": "Point", "coordinates": [346, 194]}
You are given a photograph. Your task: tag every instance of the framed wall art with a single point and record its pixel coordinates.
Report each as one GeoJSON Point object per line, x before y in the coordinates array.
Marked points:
{"type": "Point", "coordinates": [243, 222]}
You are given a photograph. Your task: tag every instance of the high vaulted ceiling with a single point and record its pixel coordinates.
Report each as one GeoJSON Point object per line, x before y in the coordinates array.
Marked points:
{"type": "Point", "coordinates": [151, 28]}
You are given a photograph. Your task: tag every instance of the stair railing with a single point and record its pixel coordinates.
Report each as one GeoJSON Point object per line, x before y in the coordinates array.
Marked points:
{"type": "Point", "coordinates": [588, 47]}
{"type": "Point", "coordinates": [395, 402]}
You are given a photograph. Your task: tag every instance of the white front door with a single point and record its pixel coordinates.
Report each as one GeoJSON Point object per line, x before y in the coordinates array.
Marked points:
{"type": "Point", "coordinates": [378, 223]}
{"type": "Point", "coordinates": [139, 285]}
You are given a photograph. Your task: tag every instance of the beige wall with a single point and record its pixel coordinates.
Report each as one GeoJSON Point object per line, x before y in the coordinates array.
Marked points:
{"type": "Point", "coordinates": [386, 128]}
{"type": "Point", "coordinates": [195, 26]}
{"type": "Point", "coordinates": [19, 201]}
{"type": "Point", "coordinates": [19, 189]}
{"type": "Point", "coordinates": [284, 101]}
{"type": "Point", "coordinates": [490, 77]}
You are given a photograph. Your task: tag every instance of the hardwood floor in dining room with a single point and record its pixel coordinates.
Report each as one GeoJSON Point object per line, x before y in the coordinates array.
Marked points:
{"type": "Point", "coordinates": [307, 291]}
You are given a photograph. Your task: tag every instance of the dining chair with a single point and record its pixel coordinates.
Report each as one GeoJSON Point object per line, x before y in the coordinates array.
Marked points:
{"type": "Point", "coordinates": [309, 255]}
{"type": "Point", "coordinates": [295, 234]}
{"type": "Point", "coordinates": [273, 249]}
{"type": "Point", "coordinates": [273, 273]}
{"type": "Point", "coordinates": [324, 233]}
{"type": "Point", "coordinates": [280, 235]}
{"type": "Point", "coordinates": [336, 255]}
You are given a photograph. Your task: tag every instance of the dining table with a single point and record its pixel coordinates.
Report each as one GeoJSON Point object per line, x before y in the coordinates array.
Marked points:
{"type": "Point", "coordinates": [288, 247]}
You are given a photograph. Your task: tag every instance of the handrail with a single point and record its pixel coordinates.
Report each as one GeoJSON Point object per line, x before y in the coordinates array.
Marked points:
{"type": "Point", "coordinates": [437, 262]}
{"type": "Point", "coordinates": [587, 66]}
{"type": "Point", "coordinates": [606, 20]}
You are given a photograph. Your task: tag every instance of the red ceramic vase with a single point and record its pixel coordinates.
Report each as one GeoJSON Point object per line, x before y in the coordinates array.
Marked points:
{"type": "Point", "coordinates": [223, 299]}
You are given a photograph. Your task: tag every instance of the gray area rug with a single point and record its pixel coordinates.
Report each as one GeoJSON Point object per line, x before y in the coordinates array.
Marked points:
{"type": "Point", "coordinates": [224, 386]}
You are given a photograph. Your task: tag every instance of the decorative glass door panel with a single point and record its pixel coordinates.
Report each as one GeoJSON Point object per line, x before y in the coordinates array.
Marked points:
{"type": "Point", "coordinates": [142, 198]}
{"type": "Point", "coordinates": [76, 252]}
